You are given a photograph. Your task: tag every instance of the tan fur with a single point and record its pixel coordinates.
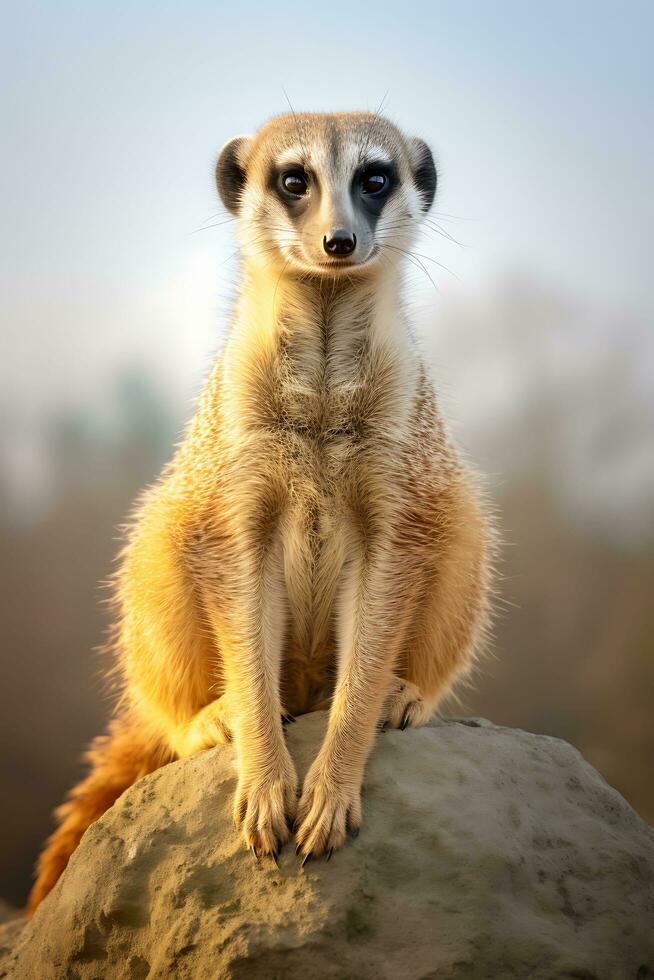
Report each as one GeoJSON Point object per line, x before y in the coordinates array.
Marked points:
{"type": "Point", "coordinates": [315, 540]}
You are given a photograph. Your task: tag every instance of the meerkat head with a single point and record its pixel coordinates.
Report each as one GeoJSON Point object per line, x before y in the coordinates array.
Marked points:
{"type": "Point", "coordinates": [326, 193]}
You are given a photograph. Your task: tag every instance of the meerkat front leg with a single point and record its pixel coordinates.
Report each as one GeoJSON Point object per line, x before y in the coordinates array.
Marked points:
{"type": "Point", "coordinates": [373, 612]}
{"type": "Point", "coordinates": [248, 620]}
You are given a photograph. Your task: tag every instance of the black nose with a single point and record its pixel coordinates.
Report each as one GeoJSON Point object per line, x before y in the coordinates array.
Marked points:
{"type": "Point", "coordinates": [340, 242]}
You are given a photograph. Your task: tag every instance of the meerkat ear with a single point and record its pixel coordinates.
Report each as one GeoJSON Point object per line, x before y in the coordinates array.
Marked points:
{"type": "Point", "coordinates": [424, 172]}
{"type": "Point", "coordinates": [230, 172]}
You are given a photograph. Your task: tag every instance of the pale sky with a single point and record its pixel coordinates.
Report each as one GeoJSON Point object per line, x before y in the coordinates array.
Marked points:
{"type": "Point", "coordinates": [540, 116]}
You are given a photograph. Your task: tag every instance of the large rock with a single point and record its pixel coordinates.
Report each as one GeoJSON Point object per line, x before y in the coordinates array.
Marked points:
{"type": "Point", "coordinates": [485, 853]}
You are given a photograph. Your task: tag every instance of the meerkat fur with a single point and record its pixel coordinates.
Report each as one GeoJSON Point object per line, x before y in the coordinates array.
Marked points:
{"type": "Point", "coordinates": [316, 540]}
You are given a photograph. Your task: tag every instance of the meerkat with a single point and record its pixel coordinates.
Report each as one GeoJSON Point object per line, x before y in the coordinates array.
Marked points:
{"type": "Point", "coordinates": [316, 540]}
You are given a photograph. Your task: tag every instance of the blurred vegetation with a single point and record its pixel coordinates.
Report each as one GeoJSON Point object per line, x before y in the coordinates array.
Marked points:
{"type": "Point", "coordinates": [575, 637]}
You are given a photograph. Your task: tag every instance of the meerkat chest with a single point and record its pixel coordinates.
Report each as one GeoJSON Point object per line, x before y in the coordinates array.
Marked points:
{"type": "Point", "coordinates": [321, 399]}
{"type": "Point", "coordinates": [326, 388]}
{"type": "Point", "coordinates": [321, 416]}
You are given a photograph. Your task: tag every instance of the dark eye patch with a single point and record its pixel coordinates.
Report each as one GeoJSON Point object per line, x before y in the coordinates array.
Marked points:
{"type": "Point", "coordinates": [291, 184]}
{"type": "Point", "coordinates": [373, 184]}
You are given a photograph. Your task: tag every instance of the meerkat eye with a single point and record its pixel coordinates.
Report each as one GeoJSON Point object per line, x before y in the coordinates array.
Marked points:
{"type": "Point", "coordinates": [373, 183]}
{"type": "Point", "coordinates": [295, 183]}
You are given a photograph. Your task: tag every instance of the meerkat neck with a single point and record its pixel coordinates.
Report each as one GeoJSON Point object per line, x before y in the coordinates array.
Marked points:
{"type": "Point", "coordinates": [300, 348]}
{"type": "Point", "coordinates": [276, 307]}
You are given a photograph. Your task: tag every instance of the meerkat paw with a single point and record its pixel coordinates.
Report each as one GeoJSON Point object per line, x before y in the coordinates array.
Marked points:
{"type": "Point", "coordinates": [328, 812]}
{"type": "Point", "coordinates": [404, 706]}
{"type": "Point", "coordinates": [212, 725]}
{"type": "Point", "coordinates": [264, 808]}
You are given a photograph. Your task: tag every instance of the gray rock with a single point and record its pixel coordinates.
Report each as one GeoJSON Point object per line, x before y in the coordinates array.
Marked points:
{"type": "Point", "coordinates": [485, 853]}
{"type": "Point", "coordinates": [12, 924]}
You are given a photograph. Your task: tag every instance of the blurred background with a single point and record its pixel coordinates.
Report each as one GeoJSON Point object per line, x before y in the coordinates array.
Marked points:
{"type": "Point", "coordinates": [118, 273]}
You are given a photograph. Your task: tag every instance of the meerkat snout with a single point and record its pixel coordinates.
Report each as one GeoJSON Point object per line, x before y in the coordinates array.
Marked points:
{"type": "Point", "coordinates": [340, 242]}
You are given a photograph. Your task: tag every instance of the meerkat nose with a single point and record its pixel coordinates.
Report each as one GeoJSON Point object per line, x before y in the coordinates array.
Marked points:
{"type": "Point", "coordinates": [340, 242]}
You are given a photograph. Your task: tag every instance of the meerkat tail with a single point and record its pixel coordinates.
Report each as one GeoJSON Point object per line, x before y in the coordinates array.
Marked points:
{"type": "Point", "coordinates": [116, 761]}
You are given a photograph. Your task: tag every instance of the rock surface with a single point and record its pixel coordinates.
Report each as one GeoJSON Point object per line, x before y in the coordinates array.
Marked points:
{"type": "Point", "coordinates": [485, 853]}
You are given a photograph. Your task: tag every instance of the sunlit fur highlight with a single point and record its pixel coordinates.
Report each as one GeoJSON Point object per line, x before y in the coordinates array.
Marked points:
{"type": "Point", "coordinates": [315, 542]}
